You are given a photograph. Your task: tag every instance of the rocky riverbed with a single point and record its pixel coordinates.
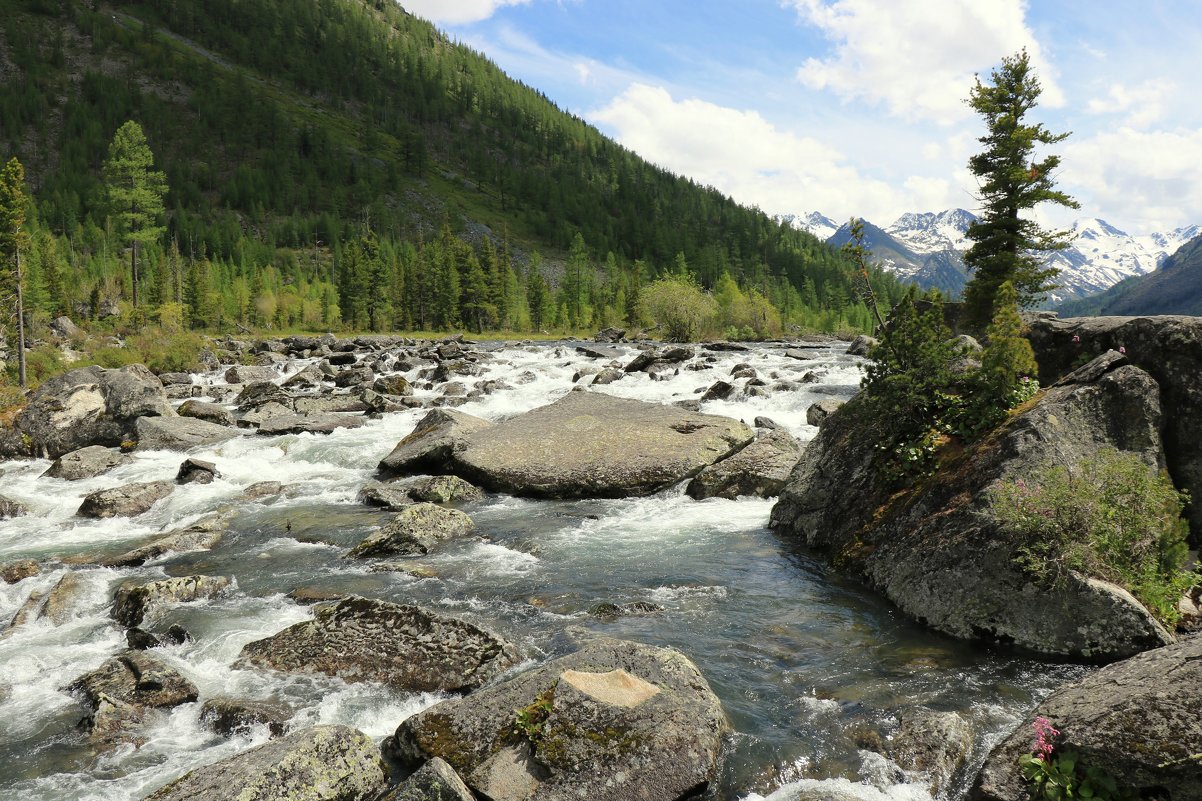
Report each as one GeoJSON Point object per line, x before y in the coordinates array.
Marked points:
{"type": "Point", "coordinates": [175, 605]}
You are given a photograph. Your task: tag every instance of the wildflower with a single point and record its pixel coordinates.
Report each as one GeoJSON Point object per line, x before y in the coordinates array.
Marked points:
{"type": "Point", "coordinates": [1076, 337]}
{"type": "Point", "coordinates": [1045, 736]}
{"type": "Point", "coordinates": [1122, 349]}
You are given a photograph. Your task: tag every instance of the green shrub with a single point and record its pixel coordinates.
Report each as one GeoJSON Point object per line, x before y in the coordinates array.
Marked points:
{"type": "Point", "coordinates": [1111, 517]}
{"type": "Point", "coordinates": [679, 307]}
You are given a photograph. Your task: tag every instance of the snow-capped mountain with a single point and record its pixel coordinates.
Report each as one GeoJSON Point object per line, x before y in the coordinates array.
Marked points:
{"type": "Point", "coordinates": [926, 248]}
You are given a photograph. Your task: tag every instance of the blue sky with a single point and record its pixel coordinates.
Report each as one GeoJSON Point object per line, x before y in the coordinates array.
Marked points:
{"type": "Point", "coordinates": [856, 107]}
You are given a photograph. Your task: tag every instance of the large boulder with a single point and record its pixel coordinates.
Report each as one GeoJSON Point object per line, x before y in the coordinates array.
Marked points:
{"type": "Point", "coordinates": [135, 678]}
{"type": "Point", "coordinates": [89, 406]}
{"type": "Point", "coordinates": [414, 531]}
{"type": "Point", "coordinates": [132, 602]}
{"type": "Point", "coordinates": [593, 445]}
{"type": "Point", "coordinates": [229, 716]}
{"type": "Point", "coordinates": [405, 647]}
{"type": "Point", "coordinates": [760, 469]}
{"type": "Point", "coordinates": [10, 508]}
{"type": "Point", "coordinates": [321, 763]}
{"type": "Point", "coordinates": [1137, 720]}
{"type": "Point", "coordinates": [614, 721]}
{"type": "Point", "coordinates": [433, 781]}
{"type": "Point", "coordinates": [86, 463]}
{"type": "Point", "coordinates": [209, 412]}
{"type": "Point", "coordinates": [428, 448]}
{"type": "Point", "coordinates": [937, 551]}
{"type": "Point", "coordinates": [127, 501]}
{"type": "Point", "coordinates": [179, 433]}
{"type": "Point", "coordinates": [1169, 349]}
{"type": "Point", "coordinates": [309, 424]}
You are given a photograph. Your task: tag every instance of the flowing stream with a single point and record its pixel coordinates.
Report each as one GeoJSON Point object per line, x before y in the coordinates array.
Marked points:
{"type": "Point", "coordinates": [807, 664]}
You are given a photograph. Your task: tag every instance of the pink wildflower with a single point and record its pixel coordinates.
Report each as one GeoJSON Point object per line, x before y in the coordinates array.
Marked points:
{"type": "Point", "coordinates": [1045, 737]}
{"type": "Point", "coordinates": [1122, 349]}
{"type": "Point", "coordinates": [1076, 337]}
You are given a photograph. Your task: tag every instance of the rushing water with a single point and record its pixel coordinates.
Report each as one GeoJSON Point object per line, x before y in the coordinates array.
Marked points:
{"type": "Point", "coordinates": [805, 662]}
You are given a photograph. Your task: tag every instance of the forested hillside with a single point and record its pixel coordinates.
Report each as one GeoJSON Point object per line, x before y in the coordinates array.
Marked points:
{"type": "Point", "coordinates": [340, 163]}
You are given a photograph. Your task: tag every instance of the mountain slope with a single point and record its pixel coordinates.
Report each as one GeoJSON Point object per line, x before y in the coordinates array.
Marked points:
{"type": "Point", "coordinates": [293, 125]}
{"type": "Point", "coordinates": [1176, 288]}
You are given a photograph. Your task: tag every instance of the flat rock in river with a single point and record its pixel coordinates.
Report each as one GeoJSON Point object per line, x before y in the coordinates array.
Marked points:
{"type": "Point", "coordinates": [86, 463]}
{"type": "Point", "coordinates": [614, 721]}
{"type": "Point", "coordinates": [593, 445]}
{"type": "Point", "coordinates": [405, 647]}
{"type": "Point", "coordinates": [321, 763]}
{"type": "Point", "coordinates": [179, 433]}
{"type": "Point", "coordinates": [429, 446]}
{"type": "Point", "coordinates": [127, 501]}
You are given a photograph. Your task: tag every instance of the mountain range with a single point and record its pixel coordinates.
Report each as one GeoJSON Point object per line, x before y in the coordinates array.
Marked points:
{"type": "Point", "coordinates": [927, 249]}
{"type": "Point", "coordinates": [1175, 288]}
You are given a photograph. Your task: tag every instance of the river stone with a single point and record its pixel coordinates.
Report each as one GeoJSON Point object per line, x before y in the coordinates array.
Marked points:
{"type": "Point", "coordinates": [861, 345]}
{"type": "Point", "coordinates": [309, 424]}
{"type": "Point", "coordinates": [443, 489]}
{"type": "Point", "coordinates": [937, 551]}
{"type": "Point", "coordinates": [593, 445]}
{"type": "Point", "coordinates": [608, 376]}
{"type": "Point", "coordinates": [258, 393]}
{"type": "Point", "coordinates": [115, 723]}
{"type": "Point", "coordinates": [433, 781]}
{"type": "Point", "coordinates": [135, 678]}
{"type": "Point", "coordinates": [387, 495]}
{"type": "Point", "coordinates": [133, 602]}
{"type": "Point", "coordinates": [202, 535]}
{"type": "Point", "coordinates": [249, 374]}
{"type": "Point", "coordinates": [86, 463]}
{"type": "Point", "coordinates": [820, 410]}
{"type": "Point", "coordinates": [623, 721]}
{"type": "Point", "coordinates": [10, 508]}
{"type": "Point", "coordinates": [63, 598]}
{"type": "Point", "coordinates": [393, 385]}
{"type": "Point", "coordinates": [1169, 348]}
{"type": "Point", "coordinates": [760, 469]}
{"type": "Point", "coordinates": [262, 489]}
{"type": "Point", "coordinates": [429, 446]}
{"type": "Point", "coordinates": [321, 763]}
{"type": "Point", "coordinates": [405, 647]}
{"type": "Point", "coordinates": [196, 471]}
{"type": "Point", "coordinates": [932, 744]}
{"type": "Point", "coordinates": [228, 716]}
{"type": "Point", "coordinates": [21, 569]}
{"type": "Point", "coordinates": [179, 433]}
{"type": "Point", "coordinates": [414, 531]}
{"type": "Point", "coordinates": [1137, 719]}
{"type": "Point", "coordinates": [307, 378]}
{"type": "Point", "coordinates": [126, 501]}
{"type": "Point", "coordinates": [88, 406]}
{"type": "Point", "coordinates": [326, 404]}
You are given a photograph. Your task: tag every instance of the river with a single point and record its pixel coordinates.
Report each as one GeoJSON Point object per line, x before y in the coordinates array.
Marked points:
{"type": "Point", "coordinates": [806, 662]}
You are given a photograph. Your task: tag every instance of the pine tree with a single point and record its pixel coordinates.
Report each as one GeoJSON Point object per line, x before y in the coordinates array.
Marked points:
{"type": "Point", "coordinates": [13, 239]}
{"type": "Point", "coordinates": [135, 191]}
{"type": "Point", "coordinates": [1005, 244]}
{"type": "Point", "coordinates": [1007, 358]}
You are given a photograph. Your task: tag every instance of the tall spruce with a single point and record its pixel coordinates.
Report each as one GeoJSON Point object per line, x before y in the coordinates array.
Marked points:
{"type": "Point", "coordinates": [1007, 246]}
{"type": "Point", "coordinates": [135, 192]}
{"type": "Point", "coordinates": [13, 239]}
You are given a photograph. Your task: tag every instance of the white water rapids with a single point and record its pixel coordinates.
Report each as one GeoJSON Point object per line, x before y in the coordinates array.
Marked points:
{"type": "Point", "coordinates": [803, 660]}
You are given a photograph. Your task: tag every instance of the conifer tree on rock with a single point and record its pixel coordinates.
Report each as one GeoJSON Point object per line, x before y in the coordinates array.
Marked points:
{"type": "Point", "coordinates": [135, 191]}
{"type": "Point", "coordinates": [1006, 246]}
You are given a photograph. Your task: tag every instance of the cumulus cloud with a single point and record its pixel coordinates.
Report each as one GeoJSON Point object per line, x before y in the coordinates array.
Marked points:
{"type": "Point", "coordinates": [1140, 105]}
{"type": "Point", "coordinates": [917, 59]}
{"type": "Point", "coordinates": [1149, 180]}
{"type": "Point", "coordinates": [746, 156]}
{"type": "Point", "coordinates": [456, 12]}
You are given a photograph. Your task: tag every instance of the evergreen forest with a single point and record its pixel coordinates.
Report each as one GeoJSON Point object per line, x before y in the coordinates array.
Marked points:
{"type": "Point", "coordinates": [342, 165]}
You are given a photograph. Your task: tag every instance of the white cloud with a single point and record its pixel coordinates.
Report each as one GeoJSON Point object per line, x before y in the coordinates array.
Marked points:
{"type": "Point", "coordinates": [456, 12]}
{"type": "Point", "coordinates": [918, 59]}
{"type": "Point", "coordinates": [1141, 105]}
{"type": "Point", "coordinates": [1148, 180]}
{"type": "Point", "coordinates": [744, 155]}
